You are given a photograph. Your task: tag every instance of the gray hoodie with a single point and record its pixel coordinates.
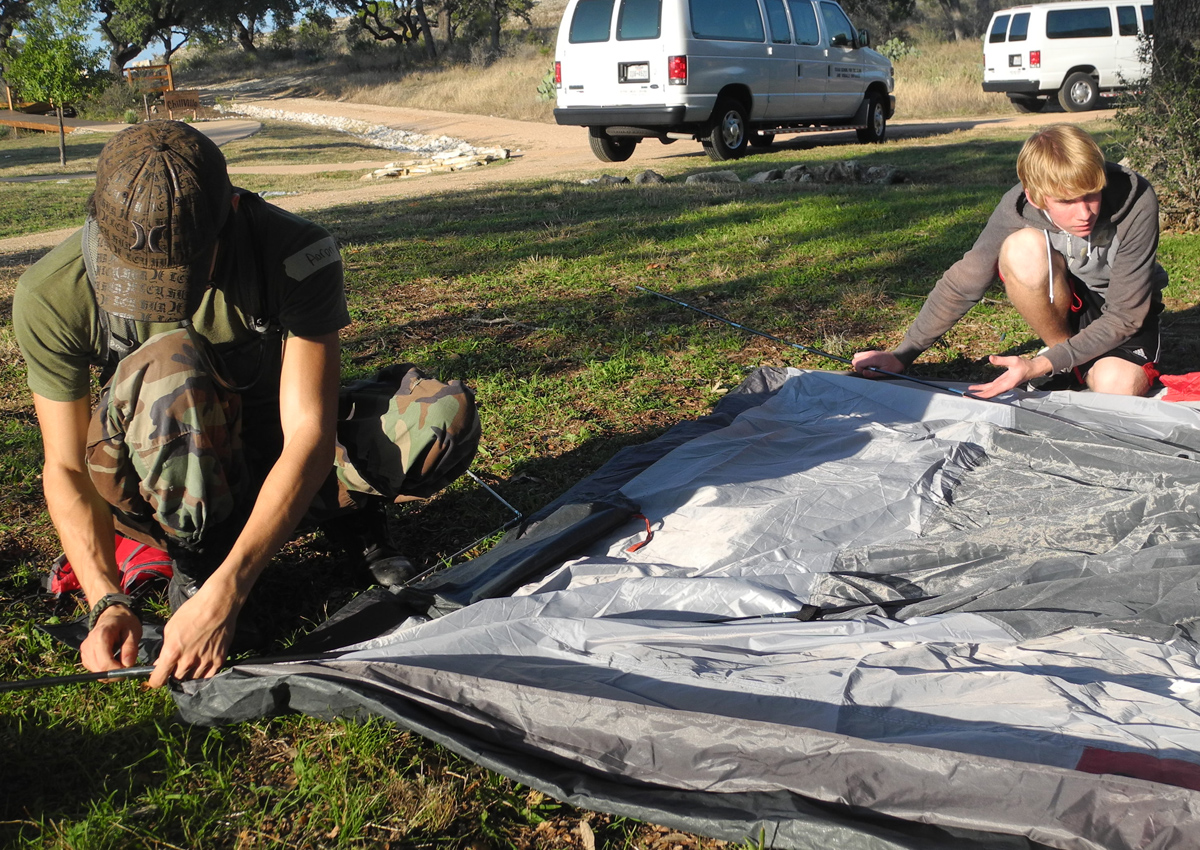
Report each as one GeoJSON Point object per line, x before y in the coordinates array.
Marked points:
{"type": "Point", "coordinates": [1118, 262]}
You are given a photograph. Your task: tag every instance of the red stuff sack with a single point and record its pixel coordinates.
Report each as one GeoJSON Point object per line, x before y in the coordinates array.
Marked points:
{"type": "Point", "coordinates": [140, 566]}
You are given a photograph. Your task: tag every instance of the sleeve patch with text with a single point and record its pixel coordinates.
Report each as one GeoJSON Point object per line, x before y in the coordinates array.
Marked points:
{"type": "Point", "coordinates": [308, 260]}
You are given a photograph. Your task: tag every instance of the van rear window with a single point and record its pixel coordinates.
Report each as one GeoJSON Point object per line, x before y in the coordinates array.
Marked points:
{"type": "Point", "coordinates": [1148, 19]}
{"type": "Point", "coordinates": [591, 22]}
{"type": "Point", "coordinates": [999, 28]}
{"type": "Point", "coordinates": [1019, 31]}
{"type": "Point", "coordinates": [1095, 22]}
{"type": "Point", "coordinates": [727, 20]}
{"type": "Point", "coordinates": [639, 19]}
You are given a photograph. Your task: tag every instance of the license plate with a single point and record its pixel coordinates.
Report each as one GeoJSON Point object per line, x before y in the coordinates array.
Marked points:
{"type": "Point", "coordinates": [636, 72]}
{"type": "Point", "coordinates": [1014, 60]}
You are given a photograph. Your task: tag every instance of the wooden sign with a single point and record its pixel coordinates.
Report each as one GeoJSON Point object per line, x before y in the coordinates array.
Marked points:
{"type": "Point", "coordinates": [150, 79]}
{"type": "Point", "coordinates": [181, 100]}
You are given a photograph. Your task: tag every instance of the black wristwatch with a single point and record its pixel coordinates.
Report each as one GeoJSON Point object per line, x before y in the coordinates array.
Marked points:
{"type": "Point", "coordinates": [104, 603]}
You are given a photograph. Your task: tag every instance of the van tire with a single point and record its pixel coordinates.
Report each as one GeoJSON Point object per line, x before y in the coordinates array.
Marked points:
{"type": "Point", "coordinates": [1079, 93]}
{"type": "Point", "coordinates": [876, 129]}
{"type": "Point", "coordinates": [759, 139]}
{"type": "Point", "coordinates": [609, 149]}
{"type": "Point", "coordinates": [1029, 104]}
{"type": "Point", "coordinates": [728, 137]}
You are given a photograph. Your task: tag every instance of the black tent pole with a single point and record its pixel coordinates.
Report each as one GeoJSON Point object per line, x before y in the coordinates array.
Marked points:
{"type": "Point", "coordinates": [143, 672]}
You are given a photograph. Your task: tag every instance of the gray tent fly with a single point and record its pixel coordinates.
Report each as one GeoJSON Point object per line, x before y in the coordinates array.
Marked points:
{"type": "Point", "coordinates": [868, 615]}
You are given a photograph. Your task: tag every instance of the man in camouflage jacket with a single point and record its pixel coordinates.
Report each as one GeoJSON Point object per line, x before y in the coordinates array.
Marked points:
{"type": "Point", "coordinates": [214, 318]}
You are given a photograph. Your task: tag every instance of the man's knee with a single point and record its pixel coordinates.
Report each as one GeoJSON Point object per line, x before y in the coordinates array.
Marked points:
{"type": "Point", "coordinates": [1118, 377]}
{"type": "Point", "coordinates": [448, 413]}
{"type": "Point", "coordinates": [404, 434]}
{"type": "Point", "coordinates": [1025, 262]}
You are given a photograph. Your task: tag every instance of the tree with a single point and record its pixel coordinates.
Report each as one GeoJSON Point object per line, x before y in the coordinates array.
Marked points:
{"type": "Point", "coordinates": [167, 39]}
{"type": "Point", "coordinates": [54, 63]}
{"type": "Point", "coordinates": [12, 14]}
{"type": "Point", "coordinates": [883, 18]}
{"type": "Point", "coordinates": [1165, 119]}
{"type": "Point", "coordinates": [246, 19]}
{"type": "Point", "coordinates": [1176, 34]}
{"type": "Point", "coordinates": [129, 26]}
{"type": "Point", "coordinates": [401, 22]}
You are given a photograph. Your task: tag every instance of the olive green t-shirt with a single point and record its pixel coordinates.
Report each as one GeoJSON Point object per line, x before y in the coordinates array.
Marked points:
{"type": "Point", "coordinates": [278, 267]}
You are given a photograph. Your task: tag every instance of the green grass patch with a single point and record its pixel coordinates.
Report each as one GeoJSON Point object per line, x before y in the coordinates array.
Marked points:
{"type": "Point", "coordinates": [57, 203]}
{"type": "Point", "coordinates": [527, 291]}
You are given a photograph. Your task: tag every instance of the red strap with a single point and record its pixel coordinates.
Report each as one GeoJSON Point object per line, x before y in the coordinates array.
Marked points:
{"type": "Point", "coordinates": [1184, 774]}
{"type": "Point", "coordinates": [649, 534]}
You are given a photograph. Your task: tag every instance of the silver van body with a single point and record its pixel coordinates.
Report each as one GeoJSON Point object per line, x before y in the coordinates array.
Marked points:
{"type": "Point", "coordinates": [727, 73]}
{"type": "Point", "coordinates": [1078, 51]}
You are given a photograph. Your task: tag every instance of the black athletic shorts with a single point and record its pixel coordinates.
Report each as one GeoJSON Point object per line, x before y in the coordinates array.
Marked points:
{"type": "Point", "coordinates": [1140, 349]}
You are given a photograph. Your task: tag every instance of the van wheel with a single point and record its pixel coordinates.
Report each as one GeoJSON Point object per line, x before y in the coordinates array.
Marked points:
{"type": "Point", "coordinates": [1079, 93]}
{"type": "Point", "coordinates": [727, 139]}
{"type": "Point", "coordinates": [1028, 104]}
{"type": "Point", "coordinates": [759, 139]}
{"type": "Point", "coordinates": [609, 149]}
{"type": "Point", "coordinates": [876, 129]}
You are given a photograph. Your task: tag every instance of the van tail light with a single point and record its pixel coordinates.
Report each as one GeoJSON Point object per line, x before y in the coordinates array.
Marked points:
{"type": "Point", "coordinates": [1035, 58]}
{"type": "Point", "coordinates": [558, 74]}
{"type": "Point", "coordinates": [677, 70]}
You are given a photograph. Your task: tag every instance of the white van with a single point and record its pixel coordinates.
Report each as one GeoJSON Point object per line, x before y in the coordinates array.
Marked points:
{"type": "Point", "coordinates": [727, 73]}
{"type": "Point", "coordinates": [1078, 51]}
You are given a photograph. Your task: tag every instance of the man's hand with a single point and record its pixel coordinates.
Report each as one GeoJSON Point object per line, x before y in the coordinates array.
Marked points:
{"type": "Point", "coordinates": [197, 638]}
{"type": "Point", "coordinates": [1017, 372]}
{"type": "Point", "coordinates": [113, 642]}
{"type": "Point", "coordinates": [866, 362]}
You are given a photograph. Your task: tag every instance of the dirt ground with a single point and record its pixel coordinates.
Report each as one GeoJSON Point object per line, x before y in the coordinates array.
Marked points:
{"type": "Point", "coordinates": [536, 151]}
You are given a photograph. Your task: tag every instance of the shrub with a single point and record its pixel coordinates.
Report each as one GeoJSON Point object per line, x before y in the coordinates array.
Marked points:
{"type": "Point", "coordinates": [112, 103]}
{"type": "Point", "coordinates": [546, 88]}
{"type": "Point", "coordinates": [895, 48]}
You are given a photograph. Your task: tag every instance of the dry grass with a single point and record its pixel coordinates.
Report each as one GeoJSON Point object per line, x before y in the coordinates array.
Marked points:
{"type": "Point", "coordinates": [945, 79]}
{"type": "Point", "coordinates": [508, 88]}
{"type": "Point", "coordinates": [939, 80]}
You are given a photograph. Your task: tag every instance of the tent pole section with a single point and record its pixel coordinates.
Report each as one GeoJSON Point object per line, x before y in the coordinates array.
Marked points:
{"type": "Point", "coordinates": [144, 671]}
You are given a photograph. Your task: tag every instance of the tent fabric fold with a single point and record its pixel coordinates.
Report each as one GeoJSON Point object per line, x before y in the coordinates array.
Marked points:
{"type": "Point", "coordinates": [870, 615]}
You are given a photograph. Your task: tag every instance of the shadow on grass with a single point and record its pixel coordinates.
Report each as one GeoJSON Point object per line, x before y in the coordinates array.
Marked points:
{"type": "Point", "coordinates": [55, 768]}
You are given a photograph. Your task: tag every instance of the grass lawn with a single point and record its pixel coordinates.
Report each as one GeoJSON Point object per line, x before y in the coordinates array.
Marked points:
{"type": "Point", "coordinates": [527, 292]}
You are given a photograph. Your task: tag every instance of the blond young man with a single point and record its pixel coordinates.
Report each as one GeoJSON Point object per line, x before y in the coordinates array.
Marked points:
{"type": "Point", "coordinates": [1075, 244]}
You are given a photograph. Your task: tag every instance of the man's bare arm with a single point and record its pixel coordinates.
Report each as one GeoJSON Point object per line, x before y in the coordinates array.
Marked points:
{"type": "Point", "coordinates": [84, 524]}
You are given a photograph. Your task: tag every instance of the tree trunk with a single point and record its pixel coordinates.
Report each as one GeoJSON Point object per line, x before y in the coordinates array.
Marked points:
{"type": "Point", "coordinates": [119, 55]}
{"type": "Point", "coordinates": [62, 137]}
{"type": "Point", "coordinates": [497, 19]}
{"type": "Point", "coordinates": [954, 14]}
{"type": "Point", "coordinates": [245, 38]}
{"type": "Point", "coordinates": [426, 31]}
{"type": "Point", "coordinates": [1176, 32]}
{"type": "Point", "coordinates": [446, 25]}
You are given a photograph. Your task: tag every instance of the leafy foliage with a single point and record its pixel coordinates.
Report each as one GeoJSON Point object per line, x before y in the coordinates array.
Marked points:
{"type": "Point", "coordinates": [55, 63]}
{"type": "Point", "coordinates": [1165, 128]}
{"type": "Point", "coordinates": [12, 13]}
